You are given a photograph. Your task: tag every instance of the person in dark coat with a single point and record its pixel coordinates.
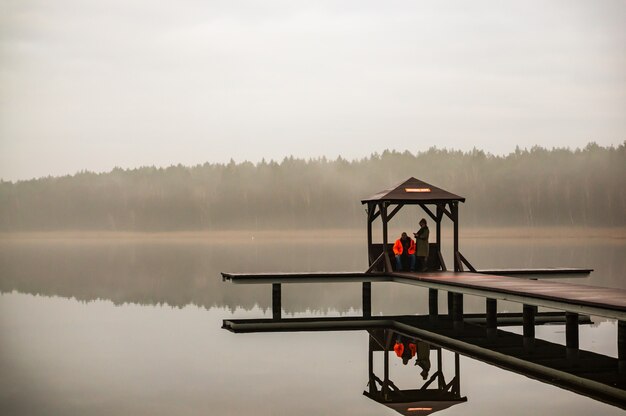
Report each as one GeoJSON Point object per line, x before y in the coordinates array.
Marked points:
{"type": "Point", "coordinates": [421, 252]}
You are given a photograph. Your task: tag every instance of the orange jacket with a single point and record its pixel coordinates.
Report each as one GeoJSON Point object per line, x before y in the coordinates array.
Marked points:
{"type": "Point", "coordinates": [398, 249]}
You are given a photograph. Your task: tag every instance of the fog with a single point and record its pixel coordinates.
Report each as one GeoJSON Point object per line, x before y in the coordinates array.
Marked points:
{"type": "Point", "coordinates": [92, 85]}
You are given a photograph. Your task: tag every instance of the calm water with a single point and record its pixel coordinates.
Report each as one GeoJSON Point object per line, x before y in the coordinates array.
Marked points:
{"type": "Point", "coordinates": [133, 327]}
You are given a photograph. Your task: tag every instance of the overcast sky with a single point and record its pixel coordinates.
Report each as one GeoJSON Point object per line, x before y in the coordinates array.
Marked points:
{"type": "Point", "coordinates": [88, 84]}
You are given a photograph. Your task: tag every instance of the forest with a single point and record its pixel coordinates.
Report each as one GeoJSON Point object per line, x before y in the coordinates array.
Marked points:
{"type": "Point", "coordinates": [528, 187]}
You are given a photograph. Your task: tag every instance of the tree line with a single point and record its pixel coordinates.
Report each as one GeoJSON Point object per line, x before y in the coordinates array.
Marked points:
{"type": "Point", "coordinates": [528, 187]}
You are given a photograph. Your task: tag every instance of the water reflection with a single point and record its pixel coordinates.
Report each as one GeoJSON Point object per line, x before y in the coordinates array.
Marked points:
{"type": "Point", "coordinates": [586, 373]}
{"type": "Point", "coordinates": [183, 273]}
{"type": "Point", "coordinates": [435, 392]}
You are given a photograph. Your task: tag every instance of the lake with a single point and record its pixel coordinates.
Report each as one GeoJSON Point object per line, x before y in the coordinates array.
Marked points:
{"type": "Point", "coordinates": [124, 325]}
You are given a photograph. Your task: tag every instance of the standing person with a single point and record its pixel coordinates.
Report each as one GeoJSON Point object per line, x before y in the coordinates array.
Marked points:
{"type": "Point", "coordinates": [404, 247]}
{"type": "Point", "coordinates": [422, 245]}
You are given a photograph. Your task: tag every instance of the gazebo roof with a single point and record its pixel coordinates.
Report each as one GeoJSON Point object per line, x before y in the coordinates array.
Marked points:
{"type": "Point", "coordinates": [413, 191]}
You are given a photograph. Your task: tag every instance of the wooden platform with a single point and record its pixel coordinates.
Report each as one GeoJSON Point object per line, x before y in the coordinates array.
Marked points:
{"type": "Point", "coordinates": [582, 299]}
{"type": "Point", "coordinates": [590, 300]}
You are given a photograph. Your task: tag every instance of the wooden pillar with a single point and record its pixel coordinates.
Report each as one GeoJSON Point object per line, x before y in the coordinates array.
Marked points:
{"type": "Point", "coordinates": [571, 334]}
{"type": "Point", "coordinates": [439, 218]}
{"type": "Point", "coordinates": [491, 306]}
{"type": "Point", "coordinates": [367, 299]}
{"type": "Point", "coordinates": [370, 213]}
{"type": "Point", "coordinates": [386, 365]}
{"type": "Point", "coordinates": [454, 208]}
{"type": "Point", "coordinates": [441, 382]}
{"type": "Point", "coordinates": [433, 303]}
{"type": "Point", "coordinates": [492, 312]}
{"type": "Point", "coordinates": [370, 365]}
{"type": "Point", "coordinates": [621, 347]}
{"type": "Point", "coordinates": [457, 308]}
{"type": "Point", "coordinates": [276, 301]}
{"type": "Point", "coordinates": [450, 303]}
{"type": "Point", "coordinates": [383, 215]}
{"type": "Point", "coordinates": [528, 322]}
{"type": "Point", "coordinates": [456, 388]}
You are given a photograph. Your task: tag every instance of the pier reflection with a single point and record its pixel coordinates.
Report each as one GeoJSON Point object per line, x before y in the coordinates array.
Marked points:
{"type": "Point", "coordinates": [586, 373]}
{"type": "Point", "coordinates": [432, 392]}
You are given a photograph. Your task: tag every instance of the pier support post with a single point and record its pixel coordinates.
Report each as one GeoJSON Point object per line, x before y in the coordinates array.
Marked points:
{"type": "Point", "coordinates": [491, 306]}
{"type": "Point", "coordinates": [367, 299]}
{"type": "Point", "coordinates": [621, 347]}
{"type": "Point", "coordinates": [457, 309]}
{"type": "Point", "coordinates": [454, 208]}
{"type": "Point", "coordinates": [433, 303]}
{"type": "Point", "coordinates": [528, 321]}
{"type": "Point", "coordinates": [571, 334]}
{"type": "Point", "coordinates": [276, 301]}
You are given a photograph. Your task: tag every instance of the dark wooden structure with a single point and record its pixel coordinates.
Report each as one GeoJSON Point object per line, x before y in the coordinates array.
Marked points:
{"type": "Point", "coordinates": [435, 202]}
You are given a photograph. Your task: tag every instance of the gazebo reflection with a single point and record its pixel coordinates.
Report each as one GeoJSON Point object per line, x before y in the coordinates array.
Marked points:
{"type": "Point", "coordinates": [434, 394]}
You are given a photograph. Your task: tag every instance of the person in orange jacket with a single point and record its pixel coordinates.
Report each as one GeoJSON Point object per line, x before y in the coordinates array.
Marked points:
{"type": "Point", "coordinates": [403, 247]}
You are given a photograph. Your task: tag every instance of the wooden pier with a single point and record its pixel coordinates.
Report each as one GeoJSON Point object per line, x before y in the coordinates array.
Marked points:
{"type": "Point", "coordinates": [528, 287]}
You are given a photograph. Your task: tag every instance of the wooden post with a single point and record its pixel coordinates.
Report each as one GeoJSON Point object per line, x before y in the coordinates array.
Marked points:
{"type": "Point", "coordinates": [440, 379]}
{"type": "Point", "coordinates": [370, 365]}
{"type": "Point", "coordinates": [439, 218]}
{"type": "Point", "coordinates": [456, 389]}
{"type": "Point", "coordinates": [438, 235]}
{"type": "Point", "coordinates": [528, 322]}
{"type": "Point", "coordinates": [383, 215]}
{"type": "Point", "coordinates": [621, 347]}
{"type": "Point", "coordinates": [457, 309]}
{"type": "Point", "coordinates": [450, 303]}
{"type": "Point", "coordinates": [385, 389]}
{"type": "Point", "coordinates": [367, 299]}
{"type": "Point", "coordinates": [571, 334]}
{"type": "Point", "coordinates": [433, 303]}
{"type": "Point", "coordinates": [276, 301]}
{"type": "Point", "coordinates": [370, 213]}
{"type": "Point", "coordinates": [454, 208]}
{"type": "Point", "coordinates": [492, 317]}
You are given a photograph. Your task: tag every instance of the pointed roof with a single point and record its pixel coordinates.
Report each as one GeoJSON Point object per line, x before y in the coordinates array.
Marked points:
{"type": "Point", "coordinates": [413, 191]}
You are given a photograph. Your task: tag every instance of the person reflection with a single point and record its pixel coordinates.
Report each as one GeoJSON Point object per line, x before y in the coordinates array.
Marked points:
{"type": "Point", "coordinates": [423, 358]}
{"type": "Point", "coordinates": [406, 349]}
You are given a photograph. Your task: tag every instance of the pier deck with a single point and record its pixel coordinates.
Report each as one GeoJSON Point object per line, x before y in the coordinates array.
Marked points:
{"type": "Point", "coordinates": [583, 299]}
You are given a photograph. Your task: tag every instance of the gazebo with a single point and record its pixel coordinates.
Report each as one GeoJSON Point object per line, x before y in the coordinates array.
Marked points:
{"type": "Point", "coordinates": [436, 202]}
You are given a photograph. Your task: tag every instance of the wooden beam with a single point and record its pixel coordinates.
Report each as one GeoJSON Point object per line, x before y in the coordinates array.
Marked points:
{"type": "Point", "coordinates": [394, 211]}
{"type": "Point", "coordinates": [467, 263]}
{"type": "Point", "coordinates": [458, 264]}
{"type": "Point", "coordinates": [443, 263]}
{"type": "Point", "coordinates": [375, 263]}
{"type": "Point", "coordinates": [374, 215]}
{"type": "Point", "coordinates": [429, 212]}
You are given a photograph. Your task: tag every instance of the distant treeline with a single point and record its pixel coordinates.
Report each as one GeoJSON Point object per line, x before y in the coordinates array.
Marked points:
{"type": "Point", "coordinates": [527, 187]}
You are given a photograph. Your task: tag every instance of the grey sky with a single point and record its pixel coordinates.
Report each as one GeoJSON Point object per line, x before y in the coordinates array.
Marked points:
{"type": "Point", "coordinates": [88, 84]}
